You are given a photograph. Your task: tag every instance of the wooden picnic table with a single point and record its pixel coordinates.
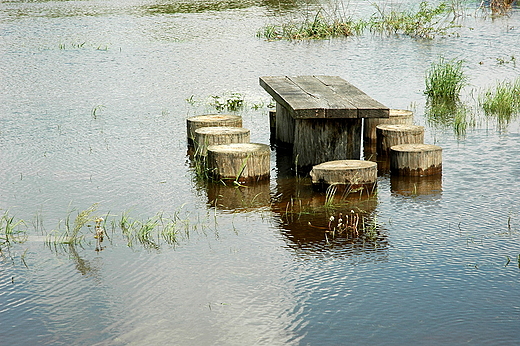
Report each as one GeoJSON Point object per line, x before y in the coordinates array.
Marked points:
{"type": "Point", "coordinates": [320, 116]}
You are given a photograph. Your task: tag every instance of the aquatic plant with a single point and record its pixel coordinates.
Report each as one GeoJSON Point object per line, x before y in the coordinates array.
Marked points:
{"type": "Point", "coordinates": [352, 224]}
{"type": "Point", "coordinates": [11, 230]}
{"type": "Point", "coordinates": [72, 233]}
{"type": "Point", "coordinates": [427, 21]}
{"type": "Point", "coordinates": [445, 79]}
{"type": "Point", "coordinates": [319, 25]}
{"type": "Point", "coordinates": [447, 113]}
{"type": "Point", "coordinates": [232, 102]}
{"type": "Point", "coordinates": [502, 101]}
{"type": "Point", "coordinates": [499, 7]}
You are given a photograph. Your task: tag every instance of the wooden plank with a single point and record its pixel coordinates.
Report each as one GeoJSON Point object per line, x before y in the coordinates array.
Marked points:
{"type": "Point", "coordinates": [322, 97]}
{"type": "Point", "coordinates": [307, 97]}
{"type": "Point", "coordinates": [332, 104]}
{"type": "Point", "coordinates": [289, 95]}
{"type": "Point", "coordinates": [367, 106]}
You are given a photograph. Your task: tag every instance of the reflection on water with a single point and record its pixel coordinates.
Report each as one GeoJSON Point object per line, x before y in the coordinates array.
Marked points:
{"type": "Point", "coordinates": [417, 186]}
{"type": "Point", "coordinates": [238, 198]}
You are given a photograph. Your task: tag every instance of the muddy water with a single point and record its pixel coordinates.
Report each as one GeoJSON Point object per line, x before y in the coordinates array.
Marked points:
{"type": "Point", "coordinates": [92, 110]}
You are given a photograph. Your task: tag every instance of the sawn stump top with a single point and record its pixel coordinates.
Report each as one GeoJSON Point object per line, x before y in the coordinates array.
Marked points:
{"type": "Point", "coordinates": [313, 97]}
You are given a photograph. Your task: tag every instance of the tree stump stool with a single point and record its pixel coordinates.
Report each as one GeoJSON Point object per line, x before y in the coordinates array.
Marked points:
{"type": "Point", "coordinates": [209, 120]}
{"type": "Point", "coordinates": [345, 174]}
{"type": "Point", "coordinates": [206, 136]}
{"type": "Point", "coordinates": [241, 162]}
{"type": "Point", "coordinates": [396, 117]}
{"type": "Point", "coordinates": [390, 135]}
{"type": "Point", "coordinates": [416, 159]}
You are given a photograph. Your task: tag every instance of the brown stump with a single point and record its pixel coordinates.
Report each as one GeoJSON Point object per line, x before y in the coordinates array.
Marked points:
{"type": "Point", "coordinates": [390, 135]}
{"type": "Point", "coordinates": [396, 117]}
{"type": "Point", "coordinates": [209, 120]}
{"type": "Point", "coordinates": [206, 136]}
{"type": "Point", "coordinates": [345, 174]}
{"type": "Point", "coordinates": [416, 159]}
{"type": "Point", "coordinates": [241, 162]}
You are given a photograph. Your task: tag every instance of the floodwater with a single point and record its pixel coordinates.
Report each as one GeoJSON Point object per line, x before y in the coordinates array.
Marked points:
{"type": "Point", "coordinates": [93, 105]}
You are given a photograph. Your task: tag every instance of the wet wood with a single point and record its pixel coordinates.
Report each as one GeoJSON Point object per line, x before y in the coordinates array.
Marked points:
{"type": "Point", "coordinates": [320, 116]}
{"type": "Point", "coordinates": [346, 174]}
{"type": "Point", "coordinates": [396, 117]}
{"type": "Point", "coordinates": [321, 97]}
{"type": "Point", "coordinates": [243, 162]}
{"type": "Point", "coordinates": [415, 159]}
{"type": "Point", "coordinates": [321, 140]}
{"type": "Point", "coordinates": [209, 120]}
{"type": "Point", "coordinates": [284, 125]}
{"type": "Point", "coordinates": [206, 136]}
{"type": "Point", "coordinates": [390, 135]}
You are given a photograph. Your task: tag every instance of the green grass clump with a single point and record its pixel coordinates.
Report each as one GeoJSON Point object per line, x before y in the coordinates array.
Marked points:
{"type": "Point", "coordinates": [320, 25]}
{"type": "Point", "coordinates": [426, 22]}
{"type": "Point", "coordinates": [503, 100]}
{"type": "Point", "coordinates": [445, 79]}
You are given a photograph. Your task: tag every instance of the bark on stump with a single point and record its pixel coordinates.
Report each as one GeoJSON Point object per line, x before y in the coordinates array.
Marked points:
{"type": "Point", "coordinates": [241, 162]}
{"type": "Point", "coordinates": [198, 121]}
{"type": "Point", "coordinates": [397, 117]}
{"type": "Point", "coordinates": [345, 174]}
{"type": "Point", "coordinates": [206, 136]}
{"type": "Point", "coordinates": [416, 160]}
{"type": "Point", "coordinates": [390, 135]}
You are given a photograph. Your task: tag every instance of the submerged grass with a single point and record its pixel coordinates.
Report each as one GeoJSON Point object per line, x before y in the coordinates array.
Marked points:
{"type": "Point", "coordinates": [450, 114]}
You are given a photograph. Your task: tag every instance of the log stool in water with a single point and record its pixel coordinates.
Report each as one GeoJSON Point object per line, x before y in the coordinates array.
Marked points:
{"type": "Point", "coordinates": [198, 121]}
{"type": "Point", "coordinates": [390, 135]}
{"type": "Point", "coordinates": [345, 174]}
{"type": "Point", "coordinates": [415, 159]}
{"type": "Point", "coordinates": [396, 117]}
{"type": "Point", "coordinates": [206, 136]}
{"type": "Point", "coordinates": [242, 162]}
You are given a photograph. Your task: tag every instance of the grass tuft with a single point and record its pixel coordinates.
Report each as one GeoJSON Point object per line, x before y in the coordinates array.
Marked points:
{"type": "Point", "coordinates": [445, 79]}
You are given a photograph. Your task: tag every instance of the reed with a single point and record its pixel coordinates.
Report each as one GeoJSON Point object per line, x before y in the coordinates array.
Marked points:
{"type": "Point", "coordinates": [445, 79]}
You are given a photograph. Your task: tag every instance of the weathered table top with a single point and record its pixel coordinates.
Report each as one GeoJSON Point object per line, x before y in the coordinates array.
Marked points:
{"type": "Point", "coordinates": [322, 97]}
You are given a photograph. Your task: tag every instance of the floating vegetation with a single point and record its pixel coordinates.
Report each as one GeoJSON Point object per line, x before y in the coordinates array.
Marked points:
{"type": "Point", "coordinates": [502, 101]}
{"type": "Point", "coordinates": [232, 103]}
{"type": "Point", "coordinates": [427, 21]}
{"type": "Point", "coordinates": [508, 60]}
{"type": "Point", "coordinates": [82, 46]}
{"type": "Point", "coordinates": [320, 25]}
{"type": "Point", "coordinates": [445, 79]}
{"type": "Point", "coordinates": [226, 102]}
